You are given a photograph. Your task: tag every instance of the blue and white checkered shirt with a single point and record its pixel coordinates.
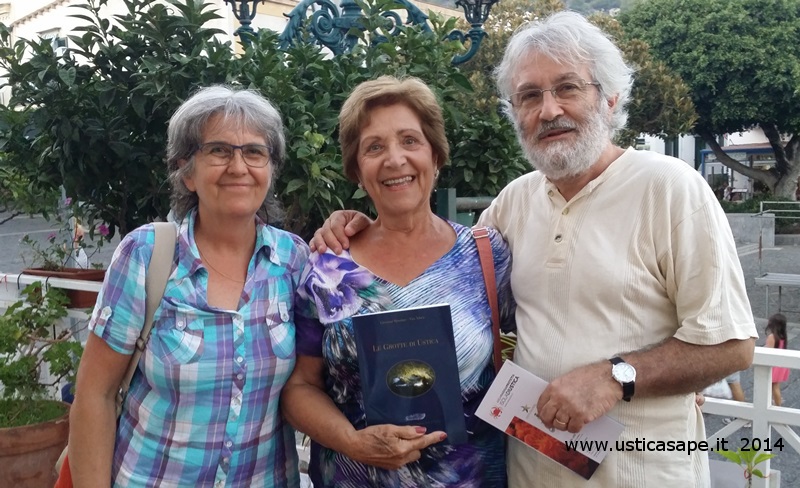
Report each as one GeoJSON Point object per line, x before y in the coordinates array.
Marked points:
{"type": "Point", "coordinates": [203, 406]}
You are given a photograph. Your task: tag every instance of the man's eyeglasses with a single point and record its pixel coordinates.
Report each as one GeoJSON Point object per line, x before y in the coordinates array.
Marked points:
{"type": "Point", "coordinates": [221, 153]}
{"type": "Point", "coordinates": [568, 91]}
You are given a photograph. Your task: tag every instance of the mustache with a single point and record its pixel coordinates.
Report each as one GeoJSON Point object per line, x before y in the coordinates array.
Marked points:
{"type": "Point", "coordinates": [557, 124]}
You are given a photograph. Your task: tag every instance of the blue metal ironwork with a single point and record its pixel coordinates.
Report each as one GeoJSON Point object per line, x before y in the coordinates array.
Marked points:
{"type": "Point", "coordinates": [332, 26]}
{"type": "Point", "coordinates": [476, 12]}
{"type": "Point", "coordinates": [332, 29]}
{"type": "Point", "coordinates": [245, 15]}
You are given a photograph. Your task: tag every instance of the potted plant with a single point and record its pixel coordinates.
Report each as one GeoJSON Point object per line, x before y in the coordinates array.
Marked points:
{"type": "Point", "coordinates": [64, 255]}
{"type": "Point", "coordinates": [33, 360]}
{"type": "Point", "coordinates": [748, 459]}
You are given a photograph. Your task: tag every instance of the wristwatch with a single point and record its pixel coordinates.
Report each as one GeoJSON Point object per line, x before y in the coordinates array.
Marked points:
{"type": "Point", "coordinates": [625, 374]}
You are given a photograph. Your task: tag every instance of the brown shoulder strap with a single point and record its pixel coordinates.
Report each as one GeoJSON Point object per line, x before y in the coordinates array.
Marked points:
{"type": "Point", "coordinates": [481, 236]}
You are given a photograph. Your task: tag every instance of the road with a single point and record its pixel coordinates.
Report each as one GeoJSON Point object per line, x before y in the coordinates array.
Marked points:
{"type": "Point", "coordinates": [12, 252]}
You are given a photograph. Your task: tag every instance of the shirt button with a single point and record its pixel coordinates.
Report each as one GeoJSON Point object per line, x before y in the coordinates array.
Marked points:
{"type": "Point", "coordinates": [180, 325]}
{"type": "Point", "coordinates": [228, 444]}
{"type": "Point", "coordinates": [239, 359]}
{"type": "Point", "coordinates": [239, 332]}
{"type": "Point", "coordinates": [237, 319]}
{"type": "Point", "coordinates": [565, 212]}
{"type": "Point", "coordinates": [239, 376]}
{"type": "Point", "coordinates": [558, 238]}
{"type": "Point", "coordinates": [549, 193]}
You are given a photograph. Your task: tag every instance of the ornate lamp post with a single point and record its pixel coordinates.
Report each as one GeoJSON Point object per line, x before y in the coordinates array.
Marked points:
{"type": "Point", "coordinates": [476, 12]}
{"type": "Point", "coordinates": [245, 12]}
{"type": "Point", "coordinates": [330, 23]}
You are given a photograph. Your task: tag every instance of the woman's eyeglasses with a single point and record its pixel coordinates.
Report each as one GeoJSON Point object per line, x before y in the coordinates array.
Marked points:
{"type": "Point", "coordinates": [221, 153]}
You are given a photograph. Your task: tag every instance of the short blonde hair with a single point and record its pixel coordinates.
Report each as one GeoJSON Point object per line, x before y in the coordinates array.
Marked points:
{"type": "Point", "coordinates": [383, 91]}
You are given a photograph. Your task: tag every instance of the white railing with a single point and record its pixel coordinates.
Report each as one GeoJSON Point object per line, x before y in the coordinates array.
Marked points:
{"type": "Point", "coordinates": [12, 284]}
{"type": "Point", "coordinates": [761, 412]}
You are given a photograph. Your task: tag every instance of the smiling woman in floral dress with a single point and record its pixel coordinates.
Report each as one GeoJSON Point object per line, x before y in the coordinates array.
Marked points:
{"type": "Point", "coordinates": [393, 145]}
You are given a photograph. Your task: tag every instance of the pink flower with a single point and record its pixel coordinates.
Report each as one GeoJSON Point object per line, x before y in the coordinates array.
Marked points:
{"type": "Point", "coordinates": [103, 230]}
{"type": "Point", "coordinates": [68, 201]}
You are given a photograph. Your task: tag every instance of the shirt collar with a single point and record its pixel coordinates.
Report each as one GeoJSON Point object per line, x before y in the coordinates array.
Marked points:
{"type": "Point", "coordinates": [189, 257]}
{"type": "Point", "coordinates": [589, 188]}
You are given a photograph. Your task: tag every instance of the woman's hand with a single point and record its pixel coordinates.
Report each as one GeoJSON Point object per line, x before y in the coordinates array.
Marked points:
{"type": "Point", "coordinates": [699, 399]}
{"type": "Point", "coordinates": [390, 446]}
{"type": "Point", "coordinates": [337, 229]}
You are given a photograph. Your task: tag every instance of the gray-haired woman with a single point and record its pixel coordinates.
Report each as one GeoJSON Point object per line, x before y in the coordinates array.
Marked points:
{"type": "Point", "coordinates": [203, 406]}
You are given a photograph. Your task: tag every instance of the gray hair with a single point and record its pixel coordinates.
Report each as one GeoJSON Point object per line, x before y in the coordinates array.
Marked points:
{"type": "Point", "coordinates": [250, 111]}
{"type": "Point", "coordinates": [569, 39]}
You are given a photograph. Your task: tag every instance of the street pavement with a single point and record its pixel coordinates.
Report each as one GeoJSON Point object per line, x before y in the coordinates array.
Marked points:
{"type": "Point", "coordinates": [13, 254]}
{"type": "Point", "coordinates": [777, 260]}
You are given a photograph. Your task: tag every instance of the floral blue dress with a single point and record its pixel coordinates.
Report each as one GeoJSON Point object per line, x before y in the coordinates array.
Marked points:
{"type": "Point", "coordinates": [334, 288]}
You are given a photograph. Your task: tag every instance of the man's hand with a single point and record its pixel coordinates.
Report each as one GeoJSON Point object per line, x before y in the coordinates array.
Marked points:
{"type": "Point", "coordinates": [584, 394]}
{"type": "Point", "coordinates": [390, 446]}
{"type": "Point", "coordinates": [337, 229]}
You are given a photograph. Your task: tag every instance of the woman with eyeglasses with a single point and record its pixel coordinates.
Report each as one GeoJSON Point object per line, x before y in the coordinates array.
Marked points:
{"type": "Point", "coordinates": [202, 409]}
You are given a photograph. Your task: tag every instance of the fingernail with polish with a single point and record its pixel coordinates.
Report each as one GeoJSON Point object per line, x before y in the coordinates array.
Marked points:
{"type": "Point", "coordinates": [443, 436]}
{"type": "Point", "coordinates": [420, 430]}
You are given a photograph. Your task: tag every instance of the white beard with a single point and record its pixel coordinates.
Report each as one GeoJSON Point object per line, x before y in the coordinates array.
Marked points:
{"type": "Point", "coordinates": [559, 160]}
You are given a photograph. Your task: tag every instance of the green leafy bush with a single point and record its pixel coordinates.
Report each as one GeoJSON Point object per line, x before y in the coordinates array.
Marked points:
{"type": "Point", "coordinates": [100, 111]}
{"type": "Point", "coordinates": [27, 346]}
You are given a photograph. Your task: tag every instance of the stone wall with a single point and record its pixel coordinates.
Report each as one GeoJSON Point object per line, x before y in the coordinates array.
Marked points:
{"type": "Point", "coordinates": [747, 228]}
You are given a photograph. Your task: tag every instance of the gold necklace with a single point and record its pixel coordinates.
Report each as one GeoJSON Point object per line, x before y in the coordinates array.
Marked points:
{"type": "Point", "coordinates": [206, 261]}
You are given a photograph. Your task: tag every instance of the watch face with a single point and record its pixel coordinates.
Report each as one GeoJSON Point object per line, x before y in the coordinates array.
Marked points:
{"type": "Point", "coordinates": [623, 372]}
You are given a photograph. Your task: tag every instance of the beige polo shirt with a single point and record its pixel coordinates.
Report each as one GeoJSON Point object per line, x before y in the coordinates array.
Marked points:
{"type": "Point", "coordinates": [642, 253]}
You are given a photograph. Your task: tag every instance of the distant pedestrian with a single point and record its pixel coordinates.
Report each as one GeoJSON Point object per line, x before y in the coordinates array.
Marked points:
{"type": "Point", "coordinates": [79, 259]}
{"type": "Point", "coordinates": [727, 193]}
{"type": "Point", "coordinates": [737, 394]}
{"type": "Point", "coordinates": [776, 337]}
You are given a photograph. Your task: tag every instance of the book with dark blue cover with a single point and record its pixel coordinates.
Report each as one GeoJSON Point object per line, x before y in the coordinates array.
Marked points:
{"type": "Point", "coordinates": [409, 371]}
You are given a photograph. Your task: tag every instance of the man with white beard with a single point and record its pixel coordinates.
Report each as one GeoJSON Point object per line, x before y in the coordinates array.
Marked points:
{"type": "Point", "coordinates": [625, 272]}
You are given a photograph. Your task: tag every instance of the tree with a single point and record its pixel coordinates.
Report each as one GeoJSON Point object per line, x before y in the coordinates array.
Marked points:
{"type": "Point", "coordinates": [660, 103]}
{"type": "Point", "coordinates": [99, 113]}
{"type": "Point", "coordinates": [741, 62]}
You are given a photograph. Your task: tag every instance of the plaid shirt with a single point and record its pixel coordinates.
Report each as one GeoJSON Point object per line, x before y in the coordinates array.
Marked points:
{"type": "Point", "coordinates": [203, 406]}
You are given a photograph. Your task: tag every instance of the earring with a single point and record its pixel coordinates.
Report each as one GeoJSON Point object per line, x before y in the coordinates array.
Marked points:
{"type": "Point", "coordinates": [360, 186]}
{"type": "Point", "coordinates": [436, 175]}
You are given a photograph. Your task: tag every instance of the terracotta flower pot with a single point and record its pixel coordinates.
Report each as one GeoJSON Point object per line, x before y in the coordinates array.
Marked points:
{"type": "Point", "coordinates": [28, 454]}
{"type": "Point", "coordinates": [77, 298]}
